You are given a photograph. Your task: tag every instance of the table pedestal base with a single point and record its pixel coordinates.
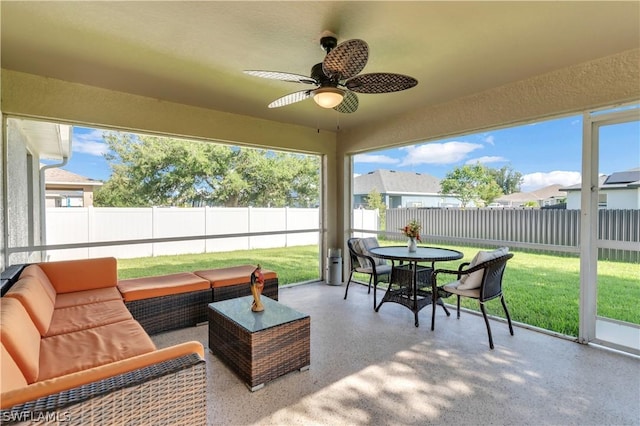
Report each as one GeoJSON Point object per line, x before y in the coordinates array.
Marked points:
{"type": "Point", "coordinates": [411, 288]}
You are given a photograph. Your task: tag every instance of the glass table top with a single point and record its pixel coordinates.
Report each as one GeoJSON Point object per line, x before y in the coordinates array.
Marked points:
{"type": "Point", "coordinates": [239, 311]}
{"type": "Point", "coordinates": [431, 254]}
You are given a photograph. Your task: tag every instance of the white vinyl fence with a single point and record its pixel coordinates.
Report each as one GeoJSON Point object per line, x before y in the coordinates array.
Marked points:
{"type": "Point", "coordinates": [104, 224]}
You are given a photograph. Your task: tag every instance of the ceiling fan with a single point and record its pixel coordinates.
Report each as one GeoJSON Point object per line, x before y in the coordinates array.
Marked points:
{"type": "Point", "coordinates": [336, 77]}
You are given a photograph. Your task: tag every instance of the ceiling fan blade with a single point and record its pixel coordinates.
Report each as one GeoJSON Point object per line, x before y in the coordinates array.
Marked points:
{"type": "Point", "coordinates": [349, 103]}
{"type": "Point", "coordinates": [346, 60]}
{"type": "Point", "coordinates": [282, 76]}
{"type": "Point", "coordinates": [291, 98]}
{"type": "Point", "coordinates": [380, 83]}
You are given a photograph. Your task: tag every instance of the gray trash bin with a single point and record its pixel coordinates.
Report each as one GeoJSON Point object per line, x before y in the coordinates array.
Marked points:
{"type": "Point", "coordinates": [334, 267]}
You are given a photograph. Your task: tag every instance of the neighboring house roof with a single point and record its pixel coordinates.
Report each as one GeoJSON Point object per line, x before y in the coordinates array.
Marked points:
{"type": "Point", "coordinates": [630, 178]}
{"type": "Point", "coordinates": [617, 180]}
{"type": "Point", "coordinates": [394, 182]}
{"type": "Point", "coordinates": [546, 193]}
{"type": "Point", "coordinates": [57, 177]}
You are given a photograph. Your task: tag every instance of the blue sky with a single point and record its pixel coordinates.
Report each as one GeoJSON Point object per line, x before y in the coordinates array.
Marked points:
{"type": "Point", "coordinates": [545, 153]}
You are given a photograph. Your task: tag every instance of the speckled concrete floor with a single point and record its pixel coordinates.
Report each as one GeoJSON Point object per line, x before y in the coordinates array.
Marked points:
{"type": "Point", "coordinates": [372, 368]}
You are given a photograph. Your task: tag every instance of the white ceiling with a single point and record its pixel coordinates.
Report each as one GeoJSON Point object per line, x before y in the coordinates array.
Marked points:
{"type": "Point", "coordinates": [194, 52]}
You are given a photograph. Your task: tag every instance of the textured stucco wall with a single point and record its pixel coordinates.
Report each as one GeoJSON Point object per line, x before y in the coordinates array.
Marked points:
{"type": "Point", "coordinates": [21, 203]}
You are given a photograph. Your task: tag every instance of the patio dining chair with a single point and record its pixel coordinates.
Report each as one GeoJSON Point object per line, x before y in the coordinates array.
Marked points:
{"type": "Point", "coordinates": [481, 279]}
{"type": "Point", "coordinates": [363, 262]}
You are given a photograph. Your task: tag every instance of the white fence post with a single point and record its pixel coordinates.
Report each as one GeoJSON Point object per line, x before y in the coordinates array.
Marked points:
{"type": "Point", "coordinates": [91, 228]}
{"type": "Point", "coordinates": [154, 231]}
{"type": "Point", "coordinates": [286, 226]}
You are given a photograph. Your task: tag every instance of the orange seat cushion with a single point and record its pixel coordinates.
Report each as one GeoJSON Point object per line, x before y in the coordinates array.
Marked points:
{"type": "Point", "coordinates": [13, 396]}
{"type": "Point", "coordinates": [33, 297]}
{"type": "Point", "coordinates": [233, 275]}
{"type": "Point", "coordinates": [163, 285]}
{"type": "Point", "coordinates": [81, 317]}
{"type": "Point", "coordinates": [11, 377]}
{"type": "Point", "coordinates": [81, 350]}
{"type": "Point", "coordinates": [65, 300]}
{"type": "Point", "coordinates": [67, 276]}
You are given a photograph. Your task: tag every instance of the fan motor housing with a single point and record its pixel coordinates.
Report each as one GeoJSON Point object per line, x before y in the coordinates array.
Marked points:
{"type": "Point", "coordinates": [318, 74]}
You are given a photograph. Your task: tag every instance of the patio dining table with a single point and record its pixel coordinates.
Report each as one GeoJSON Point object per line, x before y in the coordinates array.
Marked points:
{"type": "Point", "coordinates": [411, 284]}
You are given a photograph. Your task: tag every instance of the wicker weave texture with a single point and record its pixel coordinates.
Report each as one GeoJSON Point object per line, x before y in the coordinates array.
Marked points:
{"type": "Point", "coordinates": [239, 290]}
{"type": "Point", "coordinates": [159, 314]}
{"type": "Point", "coordinates": [172, 392]}
{"type": "Point", "coordinates": [264, 355]}
{"type": "Point", "coordinates": [401, 288]}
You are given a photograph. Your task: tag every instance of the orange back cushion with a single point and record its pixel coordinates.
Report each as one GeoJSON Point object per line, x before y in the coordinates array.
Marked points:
{"type": "Point", "coordinates": [75, 275]}
{"type": "Point", "coordinates": [20, 337]}
{"type": "Point", "coordinates": [30, 292]}
{"type": "Point", "coordinates": [36, 272]}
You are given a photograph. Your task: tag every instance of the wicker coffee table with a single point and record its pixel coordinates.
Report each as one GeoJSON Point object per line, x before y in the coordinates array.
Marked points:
{"type": "Point", "coordinates": [259, 346]}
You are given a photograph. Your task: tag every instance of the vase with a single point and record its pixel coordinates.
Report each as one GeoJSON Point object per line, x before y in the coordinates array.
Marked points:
{"type": "Point", "coordinates": [412, 244]}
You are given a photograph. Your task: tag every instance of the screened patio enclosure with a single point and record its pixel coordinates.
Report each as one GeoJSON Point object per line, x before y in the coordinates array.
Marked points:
{"type": "Point", "coordinates": [70, 73]}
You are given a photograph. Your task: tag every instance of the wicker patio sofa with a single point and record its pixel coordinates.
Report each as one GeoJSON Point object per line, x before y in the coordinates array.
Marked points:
{"type": "Point", "coordinates": [72, 352]}
{"type": "Point", "coordinates": [168, 302]}
{"type": "Point", "coordinates": [234, 281]}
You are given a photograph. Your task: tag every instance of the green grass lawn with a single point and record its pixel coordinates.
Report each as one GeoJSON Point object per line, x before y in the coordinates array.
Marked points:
{"type": "Point", "coordinates": [540, 289]}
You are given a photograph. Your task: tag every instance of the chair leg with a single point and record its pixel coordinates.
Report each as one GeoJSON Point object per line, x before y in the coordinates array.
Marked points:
{"type": "Point", "coordinates": [370, 278]}
{"type": "Point", "coordinates": [486, 321]}
{"type": "Point", "coordinates": [433, 316]}
{"type": "Point", "coordinates": [458, 304]}
{"type": "Point", "coordinates": [446, 311]}
{"type": "Point", "coordinates": [375, 292]}
{"type": "Point", "coordinates": [506, 311]}
{"type": "Point", "coordinates": [348, 282]}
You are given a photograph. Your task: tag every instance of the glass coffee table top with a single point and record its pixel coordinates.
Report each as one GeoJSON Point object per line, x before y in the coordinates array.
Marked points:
{"type": "Point", "coordinates": [239, 311]}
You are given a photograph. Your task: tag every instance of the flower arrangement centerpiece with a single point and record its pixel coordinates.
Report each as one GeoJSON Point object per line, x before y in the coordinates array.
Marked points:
{"type": "Point", "coordinates": [412, 231]}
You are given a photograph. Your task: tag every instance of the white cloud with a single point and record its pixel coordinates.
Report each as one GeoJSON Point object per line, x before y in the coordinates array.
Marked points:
{"type": "Point", "coordinates": [486, 160]}
{"type": "Point", "coordinates": [534, 181]}
{"type": "Point", "coordinates": [489, 139]}
{"type": "Point", "coordinates": [438, 153]}
{"type": "Point", "coordinates": [90, 143]}
{"type": "Point", "coordinates": [371, 158]}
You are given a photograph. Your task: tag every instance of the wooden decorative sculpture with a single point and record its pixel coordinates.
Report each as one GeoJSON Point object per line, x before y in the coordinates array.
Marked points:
{"type": "Point", "coordinates": [257, 284]}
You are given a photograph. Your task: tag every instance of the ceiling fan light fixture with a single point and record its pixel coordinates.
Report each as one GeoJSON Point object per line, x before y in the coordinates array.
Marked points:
{"type": "Point", "coordinates": [328, 97]}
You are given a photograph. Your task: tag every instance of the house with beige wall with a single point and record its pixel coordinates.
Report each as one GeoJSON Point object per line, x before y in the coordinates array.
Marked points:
{"type": "Point", "coordinates": [66, 189]}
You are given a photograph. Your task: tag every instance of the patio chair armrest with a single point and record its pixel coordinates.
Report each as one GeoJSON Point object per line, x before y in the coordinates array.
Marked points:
{"type": "Point", "coordinates": [458, 272]}
{"type": "Point", "coordinates": [447, 271]}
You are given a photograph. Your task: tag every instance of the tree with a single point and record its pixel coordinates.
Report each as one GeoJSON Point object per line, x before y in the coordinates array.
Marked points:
{"type": "Point", "coordinates": [375, 201]}
{"type": "Point", "coordinates": [471, 183]}
{"type": "Point", "coordinates": [154, 171]}
{"type": "Point", "coordinates": [489, 191]}
{"type": "Point", "coordinates": [508, 179]}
